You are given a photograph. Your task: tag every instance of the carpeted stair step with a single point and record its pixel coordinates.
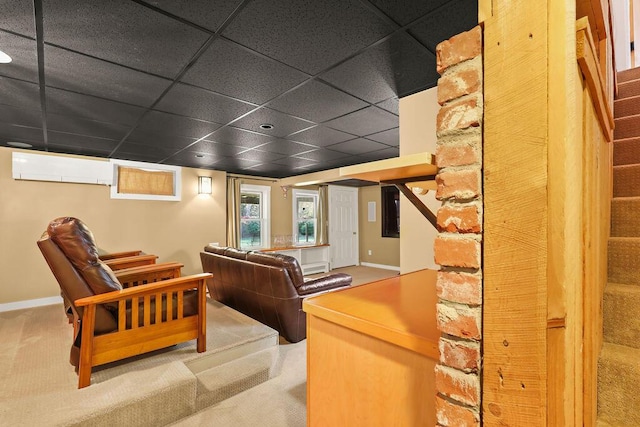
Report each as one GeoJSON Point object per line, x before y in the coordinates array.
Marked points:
{"type": "Point", "coordinates": [626, 180]}
{"type": "Point", "coordinates": [148, 397]}
{"type": "Point", "coordinates": [628, 88]}
{"type": "Point", "coordinates": [630, 74]}
{"type": "Point", "coordinates": [618, 373]}
{"type": "Point", "coordinates": [227, 380]}
{"type": "Point", "coordinates": [626, 151]}
{"type": "Point", "coordinates": [621, 320]}
{"type": "Point", "coordinates": [627, 127]}
{"type": "Point", "coordinates": [624, 260]}
{"type": "Point", "coordinates": [625, 217]}
{"type": "Point", "coordinates": [627, 106]}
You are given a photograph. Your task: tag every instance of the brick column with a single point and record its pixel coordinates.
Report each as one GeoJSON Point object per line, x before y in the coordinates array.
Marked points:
{"type": "Point", "coordinates": [458, 246]}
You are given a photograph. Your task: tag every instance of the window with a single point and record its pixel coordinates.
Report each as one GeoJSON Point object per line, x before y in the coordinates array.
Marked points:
{"type": "Point", "coordinates": [254, 216]}
{"type": "Point", "coordinates": [390, 212]}
{"type": "Point", "coordinates": [305, 217]}
{"type": "Point", "coordinates": [145, 181]}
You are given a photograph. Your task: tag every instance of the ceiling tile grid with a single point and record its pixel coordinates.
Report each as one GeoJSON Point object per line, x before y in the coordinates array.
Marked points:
{"type": "Point", "coordinates": [192, 82]}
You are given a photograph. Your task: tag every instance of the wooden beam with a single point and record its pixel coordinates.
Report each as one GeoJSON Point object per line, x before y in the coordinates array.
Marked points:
{"type": "Point", "coordinates": [589, 65]}
{"type": "Point", "coordinates": [515, 214]}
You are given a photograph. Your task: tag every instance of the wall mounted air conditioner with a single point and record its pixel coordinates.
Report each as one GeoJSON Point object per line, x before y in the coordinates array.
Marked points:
{"type": "Point", "coordinates": [44, 167]}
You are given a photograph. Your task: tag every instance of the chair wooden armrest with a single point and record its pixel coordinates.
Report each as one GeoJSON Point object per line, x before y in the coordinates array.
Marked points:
{"type": "Point", "coordinates": [135, 276]}
{"type": "Point", "coordinates": [123, 254]}
{"type": "Point", "coordinates": [131, 261]}
{"type": "Point", "coordinates": [153, 334]}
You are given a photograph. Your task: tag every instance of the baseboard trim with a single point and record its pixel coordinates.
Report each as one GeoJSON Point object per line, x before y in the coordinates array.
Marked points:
{"type": "Point", "coordinates": [31, 303]}
{"type": "Point", "coordinates": [384, 267]}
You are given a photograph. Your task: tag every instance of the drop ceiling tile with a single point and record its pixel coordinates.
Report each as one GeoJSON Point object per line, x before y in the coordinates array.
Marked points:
{"type": "Point", "coordinates": [392, 105]}
{"type": "Point", "coordinates": [142, 152]}
{"type": "Point", "coordinates": [317, 101]}
{"type": "Point", "coordinates": [24, 57]}
{"type": "Point", "coordinates": [455, 17]}
{"type": "Point", "coordinates": [322, 155]}
{"type": "Point", "coordinates": [17, 16]}
{"type": "Point", "coordinates": [81, 142]}
{"type": "Point", "coordinates": [236, 164]}
{"type": "Point", "coordinates": [309, 35]}
{"type": "Point", "coordinates": [358, 146]}
{"type": "Point", "coordinates": [365, 122]}
{"type": "Point", "coordinates": [142, 156]}
{"type": "Point", "coordinates": [78, 105]}
{"type": "Point", "coordinates": [170, 124]}
{"type": "Point", "coordinates": [193, 159]}
{"type": "Point", "coordinates": [283, 124]}
{"type": "Point", "coordinates": [9, 132]}
{"type": "Point", "coordinates": [164, 140]}
{"type": "Point", "coordinates": [122, 32]}
{"type": "Point", "coordinates": [85, 127]}
{"type": "Point", "coordinates": [79, 73]}
{"type": "Point", "coordinates": [386, 153]}
{"type": "Point", "coordinates": [204, 13]}
{"type": "Point", "coordinates": [320, 136]}
{"type": "Point", "coordinates": [202, 104]}
{"type": "Point", "coordinates": [239, 137]}
{"type": "Point", "coordinates": [260, 156]}
{"type": "Point", "coordinates": [20, 116]}
{"type": "Point", "coordinates": [282, 146]}
{"type": "Point", "coordinates": [19, 94]}
{"type": "Point", "coordinates": [404, 12]}
{"type": "Point", "coordinates": [389, 137]}
{"type": "Point", "coordinates": [268, 169]}
{"type": "Point", "coordinates": [237, 72]}
{"type": "Point", "coordinates": [295, 162]}
{"type": "Point", "coordinates": [90, 150]}
{"type": "Point", "coordinates": [398, 67]}
{"type": "Point", "coordinates": [216, 149]}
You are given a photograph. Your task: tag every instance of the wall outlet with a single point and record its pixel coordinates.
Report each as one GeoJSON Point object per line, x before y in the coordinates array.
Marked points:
{"type": "Point", "coordinates": [370, 251]}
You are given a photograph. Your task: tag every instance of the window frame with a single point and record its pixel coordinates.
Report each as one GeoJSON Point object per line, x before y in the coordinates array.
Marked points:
{"type": "Point", "coordinates": [294, 218]}
{"type": "Point", "coordinates": [265, 210]}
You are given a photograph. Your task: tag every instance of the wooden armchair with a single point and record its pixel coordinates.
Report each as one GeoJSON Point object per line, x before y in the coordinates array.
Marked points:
{"type": "Point", "coordinates": [113, 322]}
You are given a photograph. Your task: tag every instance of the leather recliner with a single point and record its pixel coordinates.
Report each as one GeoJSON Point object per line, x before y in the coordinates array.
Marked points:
{"type": "Point", "coordinates": [268, 287]}
{"type": "Point", "coordinates": [112, 323]}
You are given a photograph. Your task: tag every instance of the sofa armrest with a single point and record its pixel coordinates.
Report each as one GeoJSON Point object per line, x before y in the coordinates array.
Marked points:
{"type": "Point", "coordinates": [325, 283]}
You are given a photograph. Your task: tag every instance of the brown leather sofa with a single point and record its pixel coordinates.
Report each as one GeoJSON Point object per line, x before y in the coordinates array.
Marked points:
{"type": "Point", "coordinates": [268, 287]}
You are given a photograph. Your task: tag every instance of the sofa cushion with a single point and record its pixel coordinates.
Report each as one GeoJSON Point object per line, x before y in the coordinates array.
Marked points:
{"type": "Point", "coordinates": [236, 253]}
{"type": "Point", "coordinates": [76, 241]}
{"type": "Point", "coordinates": [289, 263]}
{"type": "Point", "coordinates": [219, 250]}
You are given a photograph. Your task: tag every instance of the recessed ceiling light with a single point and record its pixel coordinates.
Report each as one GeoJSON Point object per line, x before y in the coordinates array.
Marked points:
{"type": "Point", "coordinates": [4, 58]}
{"type": "Point", "coordinates": [19, 144]}
{"type": "Point", "coordinates": [266, 126]}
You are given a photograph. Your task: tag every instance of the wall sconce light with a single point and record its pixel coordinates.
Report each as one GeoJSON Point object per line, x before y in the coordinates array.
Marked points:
{"type": "Point", "coordinates": [205, 185]}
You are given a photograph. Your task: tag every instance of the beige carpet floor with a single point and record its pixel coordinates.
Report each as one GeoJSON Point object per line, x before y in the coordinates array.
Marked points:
{"type": "Point", "coordinates": [36, 378]}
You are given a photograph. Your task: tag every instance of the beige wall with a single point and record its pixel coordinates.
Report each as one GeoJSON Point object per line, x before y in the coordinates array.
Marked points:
{"type": "Point", "coordinates": [417, 134]}
{"type": "Point", "coordinates": [172, 230]}
{"type": "Point", "coordinates": [384, 250]}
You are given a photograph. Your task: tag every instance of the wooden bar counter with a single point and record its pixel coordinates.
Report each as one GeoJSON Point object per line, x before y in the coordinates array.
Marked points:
{"type": "Point", "coordinates": [372, 350]}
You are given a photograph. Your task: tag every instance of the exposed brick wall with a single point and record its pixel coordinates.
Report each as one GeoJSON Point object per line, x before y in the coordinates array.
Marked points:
{"type": "Point", "coordinates": [458, 246]}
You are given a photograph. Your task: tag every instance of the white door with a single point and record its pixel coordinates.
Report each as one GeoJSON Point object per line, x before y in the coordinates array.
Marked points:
{"type": "Point", "coordinates": [343, 226]}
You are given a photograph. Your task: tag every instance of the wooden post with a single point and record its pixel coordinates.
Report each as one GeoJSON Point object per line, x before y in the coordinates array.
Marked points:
{"type": "Point", "coordinates": [516, 214]}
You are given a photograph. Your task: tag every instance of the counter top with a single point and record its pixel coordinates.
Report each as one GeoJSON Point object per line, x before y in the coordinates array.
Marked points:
{"type": "Point", "coordinates": [400, 310]}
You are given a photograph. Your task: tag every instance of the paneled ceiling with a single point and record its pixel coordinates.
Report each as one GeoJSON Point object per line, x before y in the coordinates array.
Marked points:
{"type": "Point", "coordinates": [196, 82]}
